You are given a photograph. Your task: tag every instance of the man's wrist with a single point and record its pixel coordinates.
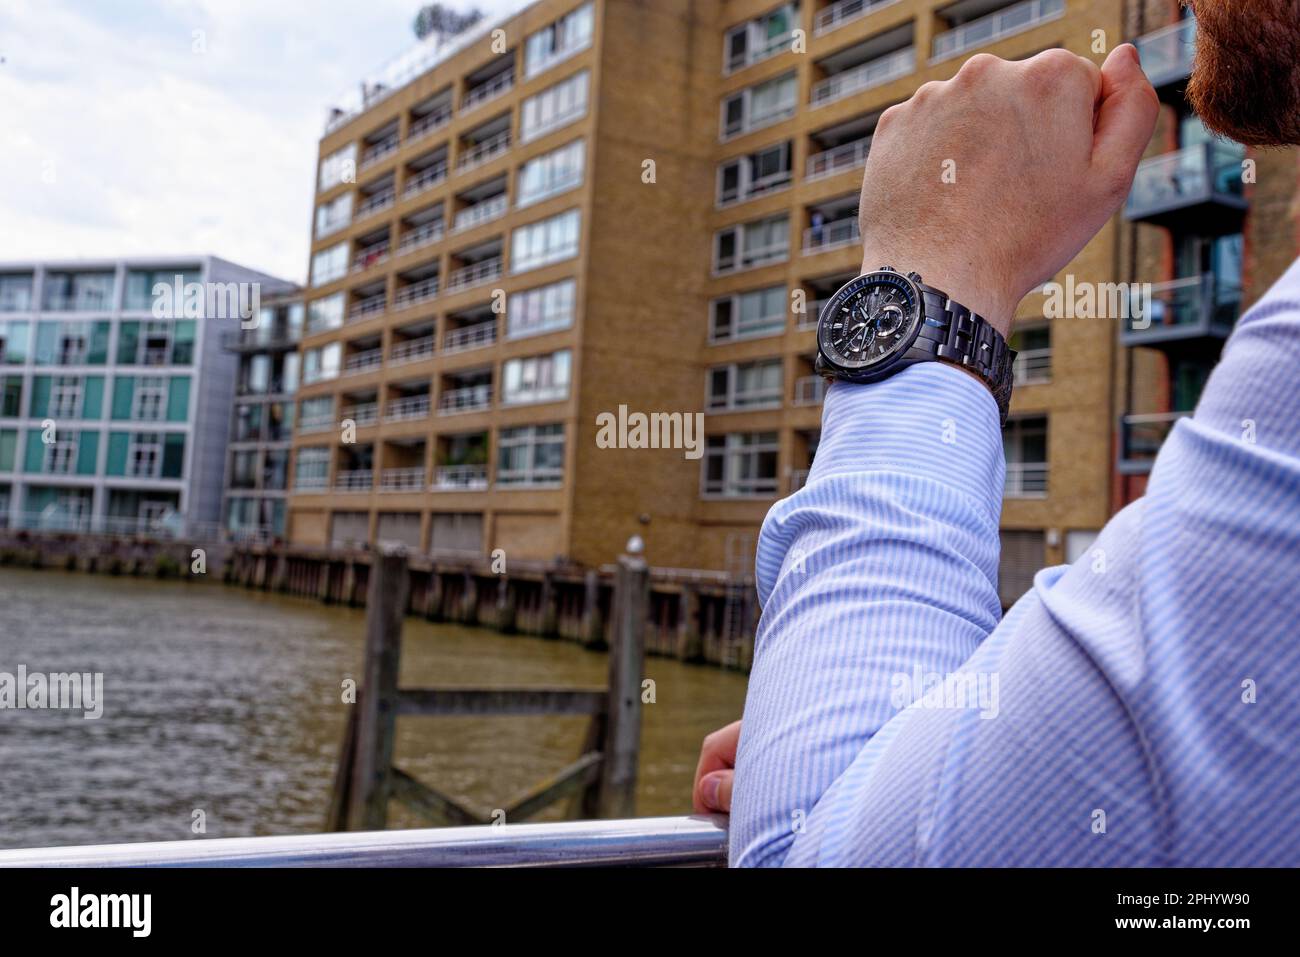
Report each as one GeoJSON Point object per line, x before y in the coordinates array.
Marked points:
{"type": "Point", "coordinates": [978, 289]}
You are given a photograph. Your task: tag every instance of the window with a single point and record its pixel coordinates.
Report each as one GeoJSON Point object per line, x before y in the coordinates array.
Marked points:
{"type": "Point", "coordinates": [11, 396]}
{"type": "Point", "coordinates": [140, 284]}
{"type": "Point", "coordinates": [536, 379]}
{"type": "Point", "coordinates": [1033, 363]}
{"type": "Point", "coordinates": [144, 455]}
{"type": "Point", "coordinates": [551, 173]}
{"type": "Point", "coordinates": [149, 403]}
{"type": "Point", "coordinates": [558, 41]}
{"type": "Point", "coordinates": [1024, 441]}
{"type": "Point", "coordinates": [78, 291]}
{"type": "Point", "coordinates": [748, 245]}
{"type": "Point", "coordinates": [15, 342]}
{"type": "Point", "coordinates": [16, 292]}
{"type": "Point", "coordinates": [311, 468]}
{"type": "Point", "coordinates": [329, 264]}
{"type": "Point", "coordinates": [325, 313]}
{"type": "Point", "coordinates": [759, 106]}
{"type": "Point", "coordinates": [760, 38]}
{"type": "Point", "coordinates": [317, 413]}
{"type": "Point", "coordinates": [322, 363]}
{"type": "Point", "coordinates": [746, 385]}
{"type": "Point", "coordinates": [532, 455]}
{"type": "Point", "coordinates": [741, 464]}
{"type": "Point", "coordinates": [339, 167]}
{"type": "Point", "coordinates": [554, 107]}
{"type": "Point", "coordinates": [544, 309]}
{"type": "Point", "coordinates": [334, 215]}
{"type": "Point", "coordinates": [61, 454]}
{"type": "Point", "coordinates": [760, 312]}
{"type": "Point", "coordinates": [545, 242]}
{"type": "Point", "coordinates": [748, 176]}
{"type": "Point", "coordinates": [65, 397]}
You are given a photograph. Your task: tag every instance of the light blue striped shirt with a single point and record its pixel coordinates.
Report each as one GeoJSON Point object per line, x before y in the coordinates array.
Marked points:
{"type": "Point", "coordinates": [1140, 707]}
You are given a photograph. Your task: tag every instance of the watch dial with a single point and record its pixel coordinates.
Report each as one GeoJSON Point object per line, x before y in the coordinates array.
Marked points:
{"type": "Point", "coordinates": [869, 321]}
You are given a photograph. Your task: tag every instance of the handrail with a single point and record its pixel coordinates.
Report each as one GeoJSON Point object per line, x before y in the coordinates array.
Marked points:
{"type": "Point", "coordinates": [647, 842]}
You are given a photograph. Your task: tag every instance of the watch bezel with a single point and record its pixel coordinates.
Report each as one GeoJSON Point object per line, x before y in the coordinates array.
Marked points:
{"type": "Point", "coordinates": [847, 291]}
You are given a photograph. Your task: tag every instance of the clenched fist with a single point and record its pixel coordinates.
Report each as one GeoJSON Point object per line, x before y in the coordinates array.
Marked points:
{"type": "Point", "coordinates": [988, 184]}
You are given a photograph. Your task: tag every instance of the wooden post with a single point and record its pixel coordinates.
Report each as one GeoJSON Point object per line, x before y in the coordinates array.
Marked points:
{"type": "Point", "coordinates": [469, 600]}
{"type": "Point", "coordinates": [372, 773]}
{"type": "Point", "coordinates": [627, 654]}
{"type": "Point", "coordinates": [689, 646]}
{"type": "Point", "coordinates": [433, 596]}
{"type": "Point", "coordinates": [593, 628]}
{"type": "Point", "coordinates": [550, 609]}
{"type": "Point", "coordinates": [507, 607]}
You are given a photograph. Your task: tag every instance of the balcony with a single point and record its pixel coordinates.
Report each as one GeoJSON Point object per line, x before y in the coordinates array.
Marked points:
{"type": "Point", "coordinates": [828, 236]}
{"type": "Point", "coordinates": [378, 152]}
{"type": "Point", "coordinates": [485, 152]}
{"type": "Point", "coordinates": [370, 256]}
{"type": "Point", "coordinates": [475, 274]}
{"type": "Point", "coordinates": [355, 480]}
{"type": "Point", "coordinates": [871, 74]}
{"type": "Point", "coordinates": [1032, 367]}
{"type": "Point", "coordinates": [425, 180]}
{"type": "Point", "coordinates": [486, 92]}
{"type": "Point", "coordinates": [428, 125]}
{"type": "Point", "coordinates": [363, 415]}
{"type": "Point", "coordinates": [413, 350]}
{"type": "Point", "coordinates": [1187, 311]}
{"type": "Point", "coordinates": [360, 363]}
{"type": "Point", "coordinates": [1167, 56]}
{"type": "Point", "coordinates": [368, 307]}
{"type": "Point", "coordinates": [416, 293]}
{"type": "Point", "coordinates": [376, 204]}
{"type": "Point", "coordinates": [426, 235]}
{"type": "Point", "coordinates": [464, 339]}
{"type": "Point", "coordinates": [845, 12]}
{"type": "Point", "coordinates": [809, 390]}
{"type": "Point", "coordinates": [838, 160]}
{"type": "Point", "coordinates": [460, 478]}
{"type": "Point", "coordinates": [997, 25]}
{"type": "Point", "coordinates": [410, 409]}
{"type": "Point", "coordinates": [1026, 480]}
{"type": "Point", "coordinates": [401, 480]}
{"type": "Point", "coordinates": [473, 398]}
{"type": "Point", "coordinates": [1141, 437]}
{"type": "Point", "coordinates": [480, 213]}
{"type": "Point", "coordinates": [1198, 188]}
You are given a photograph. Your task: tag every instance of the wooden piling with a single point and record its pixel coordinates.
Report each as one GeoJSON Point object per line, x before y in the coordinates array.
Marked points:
{"type": "Point", "coordinates": [626, 661]}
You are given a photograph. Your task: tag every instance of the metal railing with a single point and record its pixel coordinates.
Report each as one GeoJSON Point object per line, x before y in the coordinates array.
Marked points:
{"type": "Point", "coordinates": [499, 85]}
{"type": "Point", "coordinates": [995, 26]}
{"type": "Point", "coordinates": [1026, 480]}
{"type": "Point", "coordinates": [812, 312]}
{"type": "Point", "coordinates": [413, 350]}
{"type": "Point", "coordinates": [364, 308]}
{"type": "Point", "coordinates": [355, 480]}
{"type": "Point", "coordinates": [870, 74]}
{"type": "Point", "coordinates": [647, 842]}
{"type": "Point", "coordinates": [366, 361]}
{"type": "Point", "coordinates": [475, 274]}
{"type": "Point", "coordinates": [427, 124]}
{"type": "Point", "coordinates": [402, 480]}
{"type": "Point", "coordinates": [1166, 53]}
{"type": "Point", "coordinates": [365, 414]}
{"type": "Point", "coordinates": [1032, 366]}
{"type": "Point", "coordinates": [460, 478]}
{"type": "Point", "coordinates": [846, 11]}
{"type": "Point", "coordinates": [1185, 177]}
{"type": "Point", "coordinates": [819, 239]}
{"type": "Point", "coordinates": [408, 409]}
{"type": "Point", "coordinates": [426, 179]}
{"type": "Point", "coordinates": [416, 293]}
{"type": "Point", "coordinates": [1141, 436]}
{"type": "Point", "coordinates": [482, 212]}
{"type": "Point", "coordinates": [472, 398]}
{"type": "Point", "coordinates": [425, 235]}
{"type": "Point", "coordinates": [470, 337]}
{"type": "Point", "coordinates": [376, 204]}
{"type": "Point", "coordinates": [484, 152]}
{"type": "Point", "coordinates": [374, 154]}
{"type": "Point", "coordinates": [844, 157]}
{"type": "Point", "coordinates": [373, 255]}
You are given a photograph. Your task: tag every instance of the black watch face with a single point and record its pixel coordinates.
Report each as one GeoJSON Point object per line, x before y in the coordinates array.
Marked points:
{"type": "Point", "coordinates": [870, 321]}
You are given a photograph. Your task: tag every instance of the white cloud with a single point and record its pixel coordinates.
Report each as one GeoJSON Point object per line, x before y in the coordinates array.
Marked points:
{"type": "Point", "coordinates": [120, 139]}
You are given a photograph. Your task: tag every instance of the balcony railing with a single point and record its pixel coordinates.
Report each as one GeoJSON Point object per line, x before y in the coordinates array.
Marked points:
{"type": "Point", "coordinates": [842, 158]}
{"type": "Point", "coordinates": [1026, 479]}
{"type": "Point", "coordinates": [416, 293]}
{"type": "Point", "coordinates": [378, 152]}
{"type": "Point", "coordinates": [995, 26]}
{"type": "Point", "coordinates": [412, 350]}
{"type": "Point", "coordinates": [1194, 307]}
{"type": "Point", "coordinates": [759, 187]}
{"type": "Point", "coordinates": [460, 478]}
{"type": "Point", "coordinates": [472, 398]}
{"type": "Point", "coordinates": [1166, 53]}
{"type": "Point", "coordinates": [484, 152]}
{"type": "Point", "coordinates": [846, 11]}
{"type": "Point", "coordinates": [1141, 437]}
{"type": "Point", "coordinates": [369, 257]}
{"type": "Point", "coordinates": [1197, 183]}
{"type": "Point", "coordinates": [812, 312]}
{"type": "Point", "coordinates": [470, 337]}
{"type": "Point", "coordinates": [870, 74]}
{"type": "Point", "coordinates": [841, 232]}
{"type": "Point", "coordinates": [809, 390]}
{"type": "Point", "coordinates": [365, 308]}
{"type": "Point", "coordinates": [426, 179]}
{"type": "Point", "coordinates": [356, 480]}
{"type": "Point", "coordinates": [408, 409]}
{"type": "Point", "coordinates": [1032, 366]}
{"type": "Point", "coordinates": [425, 235]}
{"type": "Point", "coordinates": [360, 362]}
{"type": "Point", "coordinates": [499, 85]}
{"type": "Point", "coordinates": [376, 204]}
{"type": "Point", "coordinates": [769, 48]}
{"type": "Point", "coordinates": [430, 123]}
{"type": "Point", "coordinates": [475, 274]}
{"type": "Point", "coordinates": [318, 423]}
{"type": "Point", "coordinates": [484, 212]}
{"type": "Point", "coordinates": [401, 480]}
{"type": "Point", "coordinates": [362, 415]}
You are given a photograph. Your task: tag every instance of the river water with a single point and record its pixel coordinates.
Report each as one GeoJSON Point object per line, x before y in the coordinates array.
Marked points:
{"type": "Point", "coordinates": [225, 706]}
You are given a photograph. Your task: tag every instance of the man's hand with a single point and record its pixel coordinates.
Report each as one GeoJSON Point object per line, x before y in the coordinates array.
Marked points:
{"type": "Point", "coordinates": [716, 770]}
{"type": "Point", "coordinates": [988, 184]}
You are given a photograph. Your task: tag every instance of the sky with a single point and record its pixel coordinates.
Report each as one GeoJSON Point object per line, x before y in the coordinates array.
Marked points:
{"type": "Point", "coordinates": [152, 127]}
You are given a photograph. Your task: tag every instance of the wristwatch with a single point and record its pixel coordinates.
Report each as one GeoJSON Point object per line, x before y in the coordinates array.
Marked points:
{"type": "Point", "coordinates": [884, 321]}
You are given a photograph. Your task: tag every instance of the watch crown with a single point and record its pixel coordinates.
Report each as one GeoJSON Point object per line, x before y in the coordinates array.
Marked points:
{"type": "Point", "coordinates": [914, 276]}
{"type": "Point", "coordinates": [887, 269]}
